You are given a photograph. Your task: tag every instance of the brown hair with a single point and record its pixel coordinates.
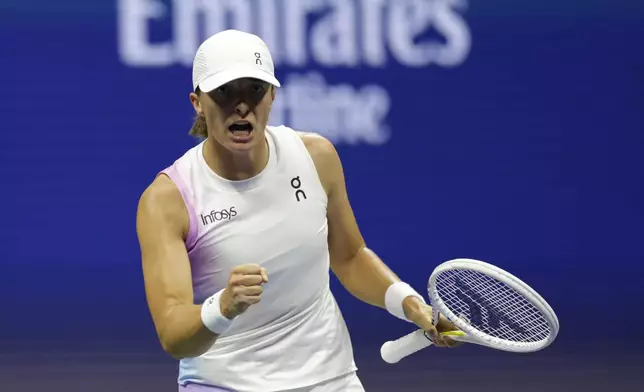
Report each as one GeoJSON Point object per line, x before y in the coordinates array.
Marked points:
{"type": "Point", "coordinates": [199, 128]}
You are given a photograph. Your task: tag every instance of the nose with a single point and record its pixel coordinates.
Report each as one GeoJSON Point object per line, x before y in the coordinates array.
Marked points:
{"type": "Point", "coordinates": [242, 109]}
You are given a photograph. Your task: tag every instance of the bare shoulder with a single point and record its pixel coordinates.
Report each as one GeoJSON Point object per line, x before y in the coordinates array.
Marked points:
{"type": "Point", "coordinates": [325, 157]}
{"type": "Point", "coordinates": [161, 203]}
{"type": "Point", "coordinates": [321, 149]}
{"type": "Point", "coordinates": [161, 194]}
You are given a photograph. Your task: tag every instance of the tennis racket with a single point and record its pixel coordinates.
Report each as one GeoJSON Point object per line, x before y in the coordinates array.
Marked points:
{"type": "Point", "coordinates": [489, 306]}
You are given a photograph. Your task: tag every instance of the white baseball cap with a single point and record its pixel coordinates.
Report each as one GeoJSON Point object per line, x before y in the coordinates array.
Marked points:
{"type": "Point", "coordinates": [230, 55]}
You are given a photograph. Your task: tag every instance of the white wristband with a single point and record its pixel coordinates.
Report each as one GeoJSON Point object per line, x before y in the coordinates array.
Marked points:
{"type": "Point", "coordinates": [211, 314]}
{"type": "Point", "coordinates": [395, 295]}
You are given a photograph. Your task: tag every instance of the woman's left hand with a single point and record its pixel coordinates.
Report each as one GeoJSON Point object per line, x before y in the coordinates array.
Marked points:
{"type": "Point", "coordinates": [421, 314]}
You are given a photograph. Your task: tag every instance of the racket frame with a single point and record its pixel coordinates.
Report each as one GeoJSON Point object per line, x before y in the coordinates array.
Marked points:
{"type": "Point", "coordinates": [473, 334]}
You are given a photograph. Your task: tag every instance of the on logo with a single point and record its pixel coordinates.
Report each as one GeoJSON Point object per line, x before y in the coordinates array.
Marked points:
{"type": "Point", "coordinates": [258, 58]}
{"type": "Point", "coordinates": [296, 184]}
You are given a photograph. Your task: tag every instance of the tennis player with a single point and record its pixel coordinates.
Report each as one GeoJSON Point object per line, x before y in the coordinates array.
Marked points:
{"type": "Point", "coordinates": [238, 235]}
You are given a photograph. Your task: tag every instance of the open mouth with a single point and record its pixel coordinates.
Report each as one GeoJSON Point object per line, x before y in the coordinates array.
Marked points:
{"type": "Point", "coordinates": [241, 128]}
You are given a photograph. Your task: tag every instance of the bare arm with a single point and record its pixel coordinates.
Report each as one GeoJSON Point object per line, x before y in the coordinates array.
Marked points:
{"type": "Point", "coordinates": [357, 267]}
{"type": "Point", "coordinates": [162, 221]}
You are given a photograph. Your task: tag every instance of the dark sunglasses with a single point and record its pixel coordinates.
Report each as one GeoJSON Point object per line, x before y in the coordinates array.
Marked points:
{"type": "Point", "coordinates": [249, 91]}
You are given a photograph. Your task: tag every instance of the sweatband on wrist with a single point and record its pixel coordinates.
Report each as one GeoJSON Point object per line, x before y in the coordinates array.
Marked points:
{"type": "Point", "coordinates": [211, 314]}
{"type": "Point", "coordinates": [395, 295]}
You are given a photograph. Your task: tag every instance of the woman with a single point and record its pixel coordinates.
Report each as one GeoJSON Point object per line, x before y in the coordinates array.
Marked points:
{"type": "Point", "coordinates": [238, 236]}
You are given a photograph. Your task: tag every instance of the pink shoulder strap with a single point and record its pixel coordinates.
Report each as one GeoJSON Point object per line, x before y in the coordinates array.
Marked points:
{"type": "Point", "coordinates": [174, 175]}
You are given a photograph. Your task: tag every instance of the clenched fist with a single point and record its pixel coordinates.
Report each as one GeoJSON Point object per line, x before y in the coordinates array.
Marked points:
{"type": "Point", "coordinates": [243, 290]}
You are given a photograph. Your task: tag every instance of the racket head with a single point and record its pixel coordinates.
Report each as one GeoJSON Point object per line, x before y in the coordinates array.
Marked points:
{"type": "Point", "coordinates": [493, 307]}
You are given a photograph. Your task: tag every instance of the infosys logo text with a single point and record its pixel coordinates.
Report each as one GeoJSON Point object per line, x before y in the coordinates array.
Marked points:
{"type": "Point", "coordinates": [216, 216]}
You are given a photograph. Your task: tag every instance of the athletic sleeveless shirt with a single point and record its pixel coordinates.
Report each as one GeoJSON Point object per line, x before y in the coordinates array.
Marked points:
{"type": "Point", "coordinates": [295, 336]}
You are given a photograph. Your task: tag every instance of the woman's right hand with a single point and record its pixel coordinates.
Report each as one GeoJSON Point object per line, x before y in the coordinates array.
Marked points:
{"type": "Point", "coordinates": [244, 289]}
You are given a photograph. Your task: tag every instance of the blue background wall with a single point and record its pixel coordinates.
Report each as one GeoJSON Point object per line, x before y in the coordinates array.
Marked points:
{"type": "Point", "coordinates": [522, 147]}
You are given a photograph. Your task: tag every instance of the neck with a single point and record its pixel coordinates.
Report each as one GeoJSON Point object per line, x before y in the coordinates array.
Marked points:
{"type": "Point", "coordinates": [235, 166]}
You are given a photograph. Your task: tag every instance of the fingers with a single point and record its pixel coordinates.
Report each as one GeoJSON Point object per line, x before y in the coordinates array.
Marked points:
{"type": "Point", "coordinates": [264, 274]}
{"type": "Point", "coordinates": [436, 337]}
{"type": "Point", "coordinates": [248, 269]}
{"type": "Point", "coordinates": [439, 340]}
{"type": "Point", "coordinates": [249, 274]}
{"type": "Point", "coordinates": [424, 319]}
{"type": "Point", "coordinates": [248, 291]}
{"type": "Point", "coordinates": [435, 332]}
{"type": "Point", "coordinates": [246, 280]}
{"type": "Point", "coordinates": [451, 343]}
{"type": "Point", "coordinates": [432, 333]}
{"type": "Point", "coordinates": [244, 288]}
{"type": "Point", "coordinates": [445, 326]}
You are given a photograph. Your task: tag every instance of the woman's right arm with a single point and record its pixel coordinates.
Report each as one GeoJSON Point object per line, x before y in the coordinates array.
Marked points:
{"type": "Point", "coordinates": [162, 223]}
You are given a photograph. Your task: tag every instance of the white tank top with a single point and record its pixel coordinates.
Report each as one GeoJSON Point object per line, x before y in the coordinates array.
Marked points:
{"type": "Point", "coordinates": [296, 335]}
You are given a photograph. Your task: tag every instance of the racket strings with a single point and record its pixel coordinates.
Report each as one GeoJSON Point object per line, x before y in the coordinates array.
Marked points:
{"type": "Point", "coordinates": [483, 321]}
{"type": "Point", "coordinates": [506, 302]}
{"type": "Point", "coordinates": [491, 306]}
{"type": "Point", "coordinates": [511, 303]}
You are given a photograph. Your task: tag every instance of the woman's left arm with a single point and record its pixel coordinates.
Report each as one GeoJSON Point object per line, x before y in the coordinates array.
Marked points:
{"type": "Point", "coordinates": [357, 267]}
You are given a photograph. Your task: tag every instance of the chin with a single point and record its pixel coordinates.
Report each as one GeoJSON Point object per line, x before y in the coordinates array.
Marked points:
{"type": "Point", "coordinates": [242, 145]}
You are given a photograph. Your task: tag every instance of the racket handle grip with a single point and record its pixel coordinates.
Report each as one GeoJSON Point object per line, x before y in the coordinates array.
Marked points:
{"type": "Point", "coordinates": [394, 351]}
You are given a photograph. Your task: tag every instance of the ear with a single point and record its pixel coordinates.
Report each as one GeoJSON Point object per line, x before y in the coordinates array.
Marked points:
{"type": "Point", "coordinates": [196, 104]}
{"type": "Point", "coordinates": [273, 93]}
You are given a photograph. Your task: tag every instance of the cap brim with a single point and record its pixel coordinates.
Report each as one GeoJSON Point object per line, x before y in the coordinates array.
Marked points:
{"type": "Point", "coordinates": [219, 79]}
